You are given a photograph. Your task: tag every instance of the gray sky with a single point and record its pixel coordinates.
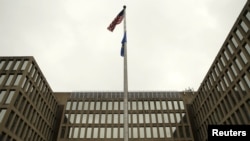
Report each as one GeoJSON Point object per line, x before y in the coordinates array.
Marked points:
{"type": "Point", "coordinates": [171, 43]}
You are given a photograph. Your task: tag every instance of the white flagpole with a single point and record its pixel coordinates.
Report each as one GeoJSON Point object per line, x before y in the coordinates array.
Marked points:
{"type": "Point", "coordinates": [125, 116]}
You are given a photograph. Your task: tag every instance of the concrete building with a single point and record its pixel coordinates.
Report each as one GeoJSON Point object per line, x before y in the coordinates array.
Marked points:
{"type": "Point", "coordinates": [28, 107]}
{"type": "Point", "coordinates": [99, 115]}
{"type": "Point", "coordinates": [224, 94]}
{"type": "Point", "coordinates": [31, 111]}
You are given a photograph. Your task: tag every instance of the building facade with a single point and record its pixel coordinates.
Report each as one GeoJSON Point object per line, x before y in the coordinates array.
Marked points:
{"type": "Point", "coordinates": [27, 105]}
{"type": "Point", "coordinates": [31, 111]}
{"type": "Point", "coordinates": [99, 116]}
{"type": "Point", "coordinates": [224, 94]}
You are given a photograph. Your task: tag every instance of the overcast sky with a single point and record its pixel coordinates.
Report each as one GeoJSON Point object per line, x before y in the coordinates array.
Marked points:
{"type": "Point", "coordinates": [171, 43]}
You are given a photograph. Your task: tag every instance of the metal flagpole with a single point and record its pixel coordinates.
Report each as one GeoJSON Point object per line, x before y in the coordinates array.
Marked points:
{"type": "Point", "coordinates": [125, 115]}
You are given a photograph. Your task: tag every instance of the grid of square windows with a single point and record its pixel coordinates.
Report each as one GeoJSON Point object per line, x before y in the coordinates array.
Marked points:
{"type": "Point", "coordinates": [103, 118]}
{"type": "Point", "coordinates": [34, 104]}
{"type": "Point", "coordinates": [227, 83]}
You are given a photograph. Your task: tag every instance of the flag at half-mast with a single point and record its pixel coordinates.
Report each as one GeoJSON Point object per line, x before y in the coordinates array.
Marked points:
{"type": "Point", "coordinates": [118, 19]}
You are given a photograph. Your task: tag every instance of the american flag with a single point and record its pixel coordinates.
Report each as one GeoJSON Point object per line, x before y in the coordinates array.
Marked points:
{"type": "Point", "coordinates": [118, 19]}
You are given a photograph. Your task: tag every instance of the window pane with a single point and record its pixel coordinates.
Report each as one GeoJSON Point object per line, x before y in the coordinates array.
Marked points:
{"type": "Point", "coordinates": [168, 132]}
{"type": "Point", "coordinates": [181, 105]}
{"type": "Point", "coordinates": [82, 132]}
{"type": "Point", "coordinates": [90, 120]}
{"type": "Point", "coordinates": [170, 107]}
{"type": "Point", "coordinates": [116, 118]}
{"type": "Point", "coordinates": [24, 65]}
{"type": "Point", "coordinates": [121, 132]}
{"type": "Point", "coordinates": [134, 118]}
{"type": "Point", "coordinates": [121, 105]}
{"type": "Point", "coordinates": [178, 117]}
{"type": "Point", "coordinates": [109, 118]}
{"type": "Point", "coordinates": [234, 42]}
{"type": "Point", "coordinates": [68, 105]}
{"type": "Point", "coordinates": [110, 106]}
{"type": "Point", "coordinates": [243, 57]}
{"type": "Point", "coordinates": [184, 118]}
{"type": "Point", "coordinates": [9, 65]}
{"type": "Point", "coordinates": [92, 106]}
{"type": "Point", "coordinates": [155, 132]}
{"type": "Point", "coordinates": [229, 76]}
{"type": "Point", "coordinates": [78, 118]}
{"type": "Point", "coordinates": [76, 131]}
{"type": "Point", "coordinates": [165, 116]}
{"type": "Point", "coordinates": [147, 120]}
{"type": "Point", "coordinates": [172, 120]}
{"type": "Point", "coordinates": [74, 106]}
{"type": "Point", "coordinates": [84, 118]}
{"type": "Point", "coordinates": [1, 64]}
{"type": "Point", "coordinates": [2, 94]}
{"type": "Point", "coordinates": [89, 132]}
{"type": "Point", "coordinates": [135, 133]}
{"type": "Point", "coordinates": [141, 118]}
{"type": "Point", "coordinates": [226, 55]}
{"type": "Point", "coordinates": [102, 132]}
{"type": "Point", "coordinates": [234, 70]}
{"type": "Point", "coordinates": [116, 106]}
{"type": "Point", "coordinates": [10, 96]}
{"type": "Point", "coordinates": [152, 105]}
{"type": "Point", "coordinates": [9, 80]}
{"type": "Point", "coordinates": [16, 65]}
{"type": "Point", "coordinates": [72, 118]}
{"type": "Point", "coordinates": [148, 132]}
{"type": "Point", "coordinates": [95, 133]}
{"type": "Point", "coordinates": [174, 130]}
{"type": "Point", "coordinates": [80, 105]}
{"type": "Point", "coordinates": [159, 118]}
{"type": "Point", "coordinates": [230, 48]}
{"type": "Point", "coordinates": [2, 113]}
{"type": "Point", "coordinates": [142, 132]}
{"type": "Point", "coordinates": [19, 76]}
{"type": "Point", "coordinates": [163, 103]}
{"type": "Point", "coordinates": [96, 118]}
{"type": "Point", "coordinates": [140, 105]}
{"type": "Point", "coordinates": [223, 61]}
{"type": "Point", "coordinates": [70, 132]}
{"type": "Point", "coordinates": [98, 107]}
{"type": "Point", "coordinates": [161, 131]}
{"type": "Point", "coordinates": [244, 26]}
{"type": "Point", "coordinates": [158, 105]}
{"type": "Point", "coordinates": [2, 78]}
{"type": "Point", "coordinates": [248, 16]}
{"type": "Point", "coordinates": [103, 118]}
{"type": "Point", "coordinates": [239, 34]}
{"type": "Point", "coordinates": [153, 118]}
{"type": "Point", "coordinates": [108, 133]}
{"type": "Point", "coordinates": [247, 81]}
{"type": "Point", "coordinates": [176, 105]}
{"type": "Point", "coordinates": [103, 105]}
{"type": "Point", "coordinates": [115, 132]}
{"type": "Point", "coordinates": [247, 48]}
{"type": "Point", "coordinates": [86, 106]}
{"type": "Point", "coordinates": [121, 118]}
{"type": "Point", "coordinates": [145, 105]}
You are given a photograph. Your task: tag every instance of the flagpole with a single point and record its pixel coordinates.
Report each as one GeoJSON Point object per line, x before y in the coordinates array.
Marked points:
{"type": "Point", "coordinates": [125, 117]}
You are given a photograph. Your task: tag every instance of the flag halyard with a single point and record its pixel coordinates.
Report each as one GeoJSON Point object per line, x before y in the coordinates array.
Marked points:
{"type": "Point", "coordinates": [118, 19]}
